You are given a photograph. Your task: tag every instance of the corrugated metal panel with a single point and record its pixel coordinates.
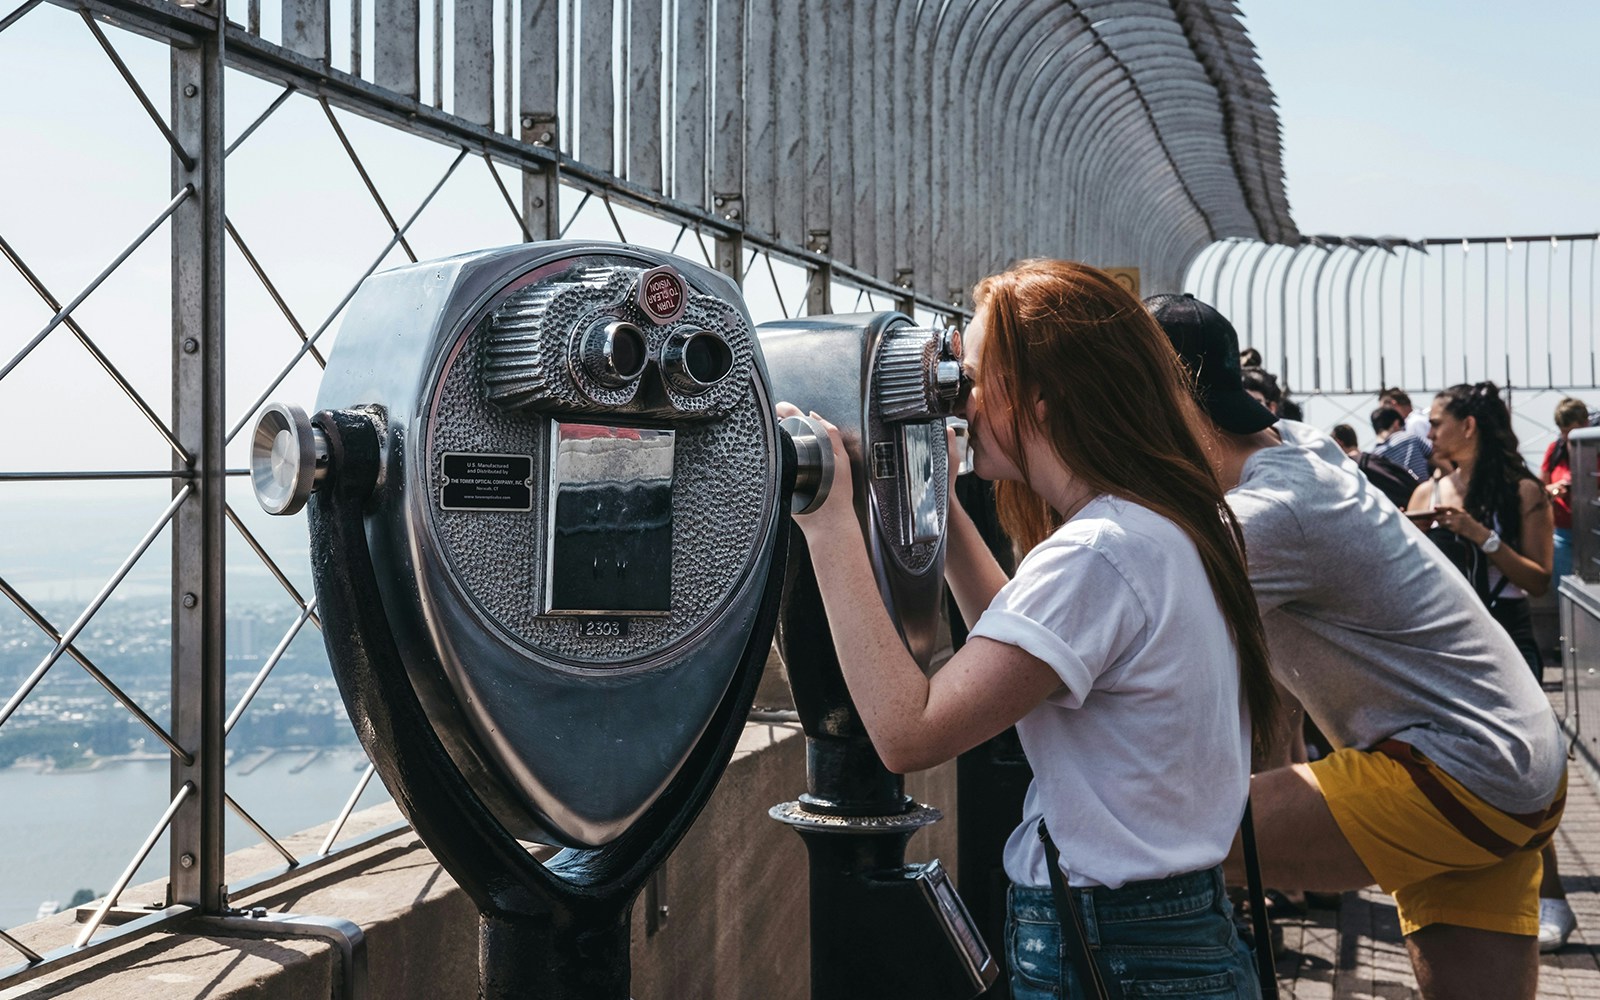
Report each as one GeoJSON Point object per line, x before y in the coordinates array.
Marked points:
{"type": "Point", "coordinates": [596, 94]}
{"type": "Point", "coordinates": [305, 28]}
{"type": "Point", "coordinates": [643, 58]}
{"type": "Point", "coordinates": [474, 61]}
{"type": "Point", "coordinates": [932, 142]}
{"type": "Point", "coordinates": [395, 56]}
{"type": "Point", "coordinates": [690, 88]}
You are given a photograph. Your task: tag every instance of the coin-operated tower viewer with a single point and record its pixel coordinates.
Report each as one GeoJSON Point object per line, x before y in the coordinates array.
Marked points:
{"type": "Point", "coordinates": [879, 927]}
{"type": "Point", "coordinates": [549, 516]}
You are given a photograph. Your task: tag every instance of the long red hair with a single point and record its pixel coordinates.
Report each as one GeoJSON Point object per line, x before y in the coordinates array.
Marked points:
{"type": "Point", "coordinates": [1119, 414]}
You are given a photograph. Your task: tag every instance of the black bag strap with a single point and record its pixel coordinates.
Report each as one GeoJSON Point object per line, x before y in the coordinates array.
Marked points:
{"type": "Point", "coordinates": [1079, 952]}
{"type": "Point", "coordinates": [1266, 961]}
{"type": "Point", "coordinates": [1076, 946]}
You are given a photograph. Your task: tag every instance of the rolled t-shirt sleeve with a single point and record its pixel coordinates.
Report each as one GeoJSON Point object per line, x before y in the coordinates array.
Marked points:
{"type": "Point", "coordinates": [1069, 606]}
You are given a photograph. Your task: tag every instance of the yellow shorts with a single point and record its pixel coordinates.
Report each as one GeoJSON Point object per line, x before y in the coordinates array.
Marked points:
{"type": "Point", "coordinates": [1445, 855]}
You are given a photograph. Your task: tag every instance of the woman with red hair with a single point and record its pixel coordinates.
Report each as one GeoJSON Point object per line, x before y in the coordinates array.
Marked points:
{"type": "Point", "coordinates": [1134, 688]}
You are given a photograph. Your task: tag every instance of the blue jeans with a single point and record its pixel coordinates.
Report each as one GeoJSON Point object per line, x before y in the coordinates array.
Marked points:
{"type": "Point", "coordinates": [1170, 937]}
{"type": "Point", "coordinates": [1563, 555]}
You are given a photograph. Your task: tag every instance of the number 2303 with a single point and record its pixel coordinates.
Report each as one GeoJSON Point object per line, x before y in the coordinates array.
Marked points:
{"type": "Point", "coordinates": [602, 628]}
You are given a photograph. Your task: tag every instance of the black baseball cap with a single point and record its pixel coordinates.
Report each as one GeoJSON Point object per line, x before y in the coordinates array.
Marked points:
{"type": "Point", "coordinates": [1209, 348]}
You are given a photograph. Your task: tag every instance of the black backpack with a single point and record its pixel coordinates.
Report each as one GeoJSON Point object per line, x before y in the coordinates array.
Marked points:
{"type": "Point", "coordinates": [1395, 480]}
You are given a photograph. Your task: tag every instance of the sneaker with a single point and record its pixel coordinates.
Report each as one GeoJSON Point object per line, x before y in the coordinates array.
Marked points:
{"type": "Point", "coordinates": [1556, 924]}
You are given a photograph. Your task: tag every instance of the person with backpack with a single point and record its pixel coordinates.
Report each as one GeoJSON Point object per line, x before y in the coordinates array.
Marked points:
{"type": "Point", "coordinates": [1398, 444]}
{"type": "Point", "coordinates": [1396, 481]}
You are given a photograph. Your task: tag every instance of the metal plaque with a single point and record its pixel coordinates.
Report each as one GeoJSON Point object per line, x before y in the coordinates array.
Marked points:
{"type": "Point", "coordinates": [485, 482]}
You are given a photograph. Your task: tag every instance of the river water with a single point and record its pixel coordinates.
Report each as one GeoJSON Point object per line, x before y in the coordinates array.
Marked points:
{"type": "Point", "coordinates": [65, 830]}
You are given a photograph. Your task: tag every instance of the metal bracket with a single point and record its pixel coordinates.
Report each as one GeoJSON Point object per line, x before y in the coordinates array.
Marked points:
{"type": "Point", "coordinates": [541, 186]}
{"type": "Point", "coordinates": [346, 936]}
{"type": "Point", "coordinates": [730, 245]}
{"type": "Point", "coordinates": [116, 916]}
{"type": "Point", "coordinates": [819, 288]}
{"type": "Point", "coordinates": [730, 206]}
{"type": "Point", "coordinates": [541, 128]}
{"type": "Point", "coordinates": [655, 902]}
{"type": "Point", "coordinates": [907, 302]}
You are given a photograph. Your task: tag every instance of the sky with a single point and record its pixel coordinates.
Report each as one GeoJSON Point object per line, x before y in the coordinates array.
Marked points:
{"type": "Point", "coordinates": [1426, 120]}
{"type": "Point", "coordinates": [1420, 118]}
{"type": "Point", "coordinates": [1434, 118]}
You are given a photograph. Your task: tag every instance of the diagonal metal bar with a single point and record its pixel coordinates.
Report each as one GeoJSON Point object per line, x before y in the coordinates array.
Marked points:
{"type": "Point", "coordinates": [372, 189]}
{"type": "Point", "coordinates": [606, 199]}
{"type": "Point", "coordinates": [71, 324]}
{"type": "Point", "coordinates": [349, 807]}
{"type": "Point", "coordinates": [266, 668]}
{"type": "Point", "coordinates": [138, 91]}
{"type": "Point", "coordinates": [98, 474]}
{"type": "Point", "coordinates": [133, 866]}
{"type": "Point", "coordinates": [271, 564]}
{"type": "Point", "coordinates": [32, 956]}
{"type": "Point", "coordinates": [701, 239]}
{"type": "Point", "coordinates": [82, 620]}
{"type": "Point", "coordinates": [682, 229]}
{"type": "Point", "coordinates": [83, 661]}
{"type": "Point", "coordinates": [304, 348]}
{"type": "Point", "coordinates": [16, 15]}
{"type": "Point", "coordinates": [261, 118]}
{"type": "Point", "coordinates": [272, 290]}
{"type": "Point", "coordinates": [575, 213]}
{"type": "Point", "coordinates": [778, 291]}
{"type": "Point", "coordinates": [260, 830]}
{"type": "Point", "coordinates": [64, 312]}
{"type": "Point", "coordinates": [510, 203]}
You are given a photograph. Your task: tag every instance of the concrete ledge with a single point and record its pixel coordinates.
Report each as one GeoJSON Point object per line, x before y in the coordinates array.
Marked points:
{"type": "Point", "coordinates": [735, 893]}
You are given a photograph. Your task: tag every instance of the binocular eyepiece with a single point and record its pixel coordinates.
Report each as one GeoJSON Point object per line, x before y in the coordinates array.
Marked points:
{"type": "Point", "coordinates": [582, 344]}
{"type": "Point", "coordinates": [920, 375]}
{"type": "Point", "coordinates": [613, 352]}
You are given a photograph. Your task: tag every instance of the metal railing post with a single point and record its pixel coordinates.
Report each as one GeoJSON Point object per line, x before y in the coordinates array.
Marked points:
{"type": "Point", "coordinates": [819, 286]}
{"type": "Point", "coordinates": [729, 244]}
{"type": "Point", "coordinates": [198, 607]}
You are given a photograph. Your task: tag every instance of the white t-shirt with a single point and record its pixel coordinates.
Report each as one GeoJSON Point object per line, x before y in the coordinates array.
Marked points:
{"type": "Point", "coordinates": [1141, 760]}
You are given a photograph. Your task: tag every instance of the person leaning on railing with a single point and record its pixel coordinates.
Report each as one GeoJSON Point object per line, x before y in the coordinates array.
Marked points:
{"type": "Point", "coordinates": [1556, 474]}
{"type": "Point", "coordinates": [1135, 694]}
{"type": "Point", "coordinates": [1448, 772]}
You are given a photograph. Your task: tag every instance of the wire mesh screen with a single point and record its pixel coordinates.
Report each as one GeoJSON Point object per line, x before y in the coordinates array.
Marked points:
{"type": "Point", "coordinates": [196, 206]}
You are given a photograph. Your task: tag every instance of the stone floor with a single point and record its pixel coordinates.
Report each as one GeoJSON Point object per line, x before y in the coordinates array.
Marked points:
{"type": "Point", "coordinates": [1356, 953]}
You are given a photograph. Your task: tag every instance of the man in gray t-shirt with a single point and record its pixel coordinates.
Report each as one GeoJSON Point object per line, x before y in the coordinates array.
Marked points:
{"type": "Point", "coordinates": [1448, 773]}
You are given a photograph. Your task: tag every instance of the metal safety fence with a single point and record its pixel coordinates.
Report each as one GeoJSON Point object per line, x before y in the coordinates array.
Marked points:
{"type": "Point", "coordinates": [829, 155]}
{"type": "Point", "coordinates": [1343, 314]}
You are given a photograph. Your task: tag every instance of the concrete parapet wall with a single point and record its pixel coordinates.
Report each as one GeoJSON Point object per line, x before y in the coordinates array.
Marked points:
{"type": "Point", "coordinates": [735, 892]}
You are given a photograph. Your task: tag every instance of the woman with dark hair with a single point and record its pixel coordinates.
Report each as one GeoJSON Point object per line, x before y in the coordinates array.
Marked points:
{"type": "Point", "coordinates": [1492, 504]}
{"type": "Point", "coordinates": [1503, 535]}
{"type": "Point", "coordinates": [1081, 412]}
